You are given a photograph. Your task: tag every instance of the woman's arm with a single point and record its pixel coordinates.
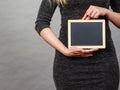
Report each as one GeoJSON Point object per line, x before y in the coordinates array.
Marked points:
{"type": "Point", "coordinates": [114, 17]}
{"type": "Point", "coordinates": [51, 39]}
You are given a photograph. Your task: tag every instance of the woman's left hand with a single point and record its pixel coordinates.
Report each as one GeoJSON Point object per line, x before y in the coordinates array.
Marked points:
{"type": "Point", "coordinates": [94, 12]}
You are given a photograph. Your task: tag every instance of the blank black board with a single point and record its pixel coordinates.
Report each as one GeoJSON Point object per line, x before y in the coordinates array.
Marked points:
{"type": "Point", "coordinates": [86, 33]}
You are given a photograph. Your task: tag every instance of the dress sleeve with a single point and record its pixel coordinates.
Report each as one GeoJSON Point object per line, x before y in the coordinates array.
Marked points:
{"type": "Point", "coordinates": [115, 5]}
{"type": "Point", "coordinates": [45, 14]}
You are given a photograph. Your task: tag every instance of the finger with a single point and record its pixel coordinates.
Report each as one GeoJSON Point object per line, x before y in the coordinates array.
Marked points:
{"type": "Point", "coordinates": [77, 50]}
{"type": "Point", "coordinates": [91, 50]}
{"type": "Point", "coordinates": [89, 12]}
{"type": "Point", "coordinates": [93, 14]}
{"type": "Point", "coordinates": [94, 49]}
{"type": "Point", "coordinates": [84, 17]}
{"type": "Point", "coordinates": [77, 53]}
{"type": "Point", "coordinates": [87, 51]}
{"type": "Point", "coordinates": [87, 18]}
{"type": "Point", "coordinates": [81, 55]}
{"type": "Point", "coordinates": [96, 15]}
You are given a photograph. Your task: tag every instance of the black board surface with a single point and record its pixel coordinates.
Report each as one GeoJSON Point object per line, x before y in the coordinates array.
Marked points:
{"type": "Point", "coordinates": [86, 33]}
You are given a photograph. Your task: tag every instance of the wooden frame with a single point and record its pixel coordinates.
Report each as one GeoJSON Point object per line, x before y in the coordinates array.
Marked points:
{"type": "Point", "coordinates": [86, 34]}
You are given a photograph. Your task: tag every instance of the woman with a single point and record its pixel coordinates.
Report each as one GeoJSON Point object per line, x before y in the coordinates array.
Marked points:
{"type": "Point", "coordinates": [75, 68]}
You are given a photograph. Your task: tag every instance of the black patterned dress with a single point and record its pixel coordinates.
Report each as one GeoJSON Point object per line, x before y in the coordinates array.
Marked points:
{"type": "Point", "coordinates": [99, 72]}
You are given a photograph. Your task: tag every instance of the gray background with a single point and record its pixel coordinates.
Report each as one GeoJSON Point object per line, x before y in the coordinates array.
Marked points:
{"type": "Point", "coordinates": [26, 61]}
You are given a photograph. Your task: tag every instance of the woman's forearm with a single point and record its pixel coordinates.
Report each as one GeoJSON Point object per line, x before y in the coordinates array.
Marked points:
{"type": "Point", "coordinates": [113, 17]}
{"type": "Point", "coordinates": [52, 40]}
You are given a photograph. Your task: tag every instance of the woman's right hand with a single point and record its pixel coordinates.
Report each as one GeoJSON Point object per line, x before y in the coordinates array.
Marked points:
{"type": "Point", "coordinates": [79, 52]}
{"type": "Point", "coordinates": [51, 39]}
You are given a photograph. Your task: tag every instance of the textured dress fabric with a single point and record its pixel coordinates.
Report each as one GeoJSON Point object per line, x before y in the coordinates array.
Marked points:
{"type": "Point", "coordinates": [99, 72]}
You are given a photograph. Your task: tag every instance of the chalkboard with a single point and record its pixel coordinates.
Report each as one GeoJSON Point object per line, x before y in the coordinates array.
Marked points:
{"type": "Point", "coordinates": [86, 33]}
